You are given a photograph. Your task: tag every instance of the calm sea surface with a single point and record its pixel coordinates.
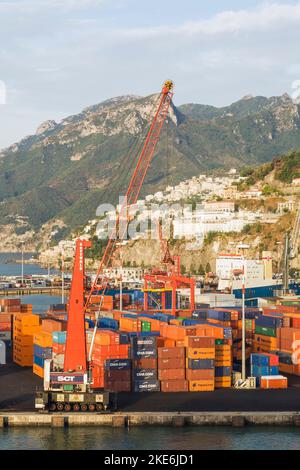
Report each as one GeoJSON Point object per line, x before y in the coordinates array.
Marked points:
{"type": "Point", "coordinates": [136, 438]}
{"type": "Point", "coordinates": [8, 268]}
{"type": "Point", "coordinates": [208, 438]}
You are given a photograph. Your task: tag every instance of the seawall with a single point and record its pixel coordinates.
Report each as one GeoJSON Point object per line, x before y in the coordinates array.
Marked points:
{"type": "Point", "coordinates": [235, 419]}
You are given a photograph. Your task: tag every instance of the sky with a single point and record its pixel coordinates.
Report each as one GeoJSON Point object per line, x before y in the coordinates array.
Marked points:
{"type": "Point", "coordinates": [59, 56]}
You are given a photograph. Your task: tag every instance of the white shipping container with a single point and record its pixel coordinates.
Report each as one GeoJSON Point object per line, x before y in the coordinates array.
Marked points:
{"type": "Point", "coordinates": [5, 335]}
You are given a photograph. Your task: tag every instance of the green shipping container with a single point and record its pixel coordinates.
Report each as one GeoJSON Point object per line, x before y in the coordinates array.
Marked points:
{"type": "Point", "coordinates": [146, 326]}
{"type": "Point", "coordinates": [264, 330]}
{"type": "Point", "coordinates": [248, 324]}
{"type": "Point", "coordinates": [219, 341]}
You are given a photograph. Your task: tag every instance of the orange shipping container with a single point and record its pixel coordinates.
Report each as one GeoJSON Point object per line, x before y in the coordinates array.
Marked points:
{"type": "Point", "coordinates": [170, 343]}
{"type": "Point", "coordinates": [272, 382]}
{"type": "Point", "coordinates": [106, 338]}
{"type": "Point", "coordinates": [201, 374]}
{"type": "Point", "coordinates": [201, 385]}
{"type": "Point", "coordinates": [201, 353]}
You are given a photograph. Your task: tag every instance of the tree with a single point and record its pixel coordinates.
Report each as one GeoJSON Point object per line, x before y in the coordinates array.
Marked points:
{"type": "Point", "coordinates": [183, 269]}
{"type": "Point", "coordinates": [201, 270]}
{"type": "Point", "coordinates": [208, 268]}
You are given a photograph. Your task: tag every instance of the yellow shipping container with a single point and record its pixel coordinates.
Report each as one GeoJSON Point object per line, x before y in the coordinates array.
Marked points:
{"type": "Point", "coordinates": [27, 319]}
{"type": "Point", "coordinates": [23, 350]}
{"type": "Point", "coordinates": [26, 330]}
{"type": "Point", "coordinates": [222, 382]}
{"type": "Point", "coordinates": [43, 339]}
{"type": "Point", "coordinates": [22, 340]}
{"type": "Point", "coordinates": [23, 361]}
{"type": "Point", "coordinates": [37, 370]}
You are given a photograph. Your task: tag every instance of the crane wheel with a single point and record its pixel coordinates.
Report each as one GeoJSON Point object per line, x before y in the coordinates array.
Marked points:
{"type": "Point", "coordinates": [59, 406]}
{"type": "Point", "coordinates": [67, 407]}
{"type": "Point", "coordinates": [92, 407]}
{"type": "Point", "coordinates": [52, 407]}
{"type": "Point", "coordinates": [76, 407]}
{"type": "Point", "coordinates": [99, 407]}
{"type": "Point", "coordinates": [83, 407]}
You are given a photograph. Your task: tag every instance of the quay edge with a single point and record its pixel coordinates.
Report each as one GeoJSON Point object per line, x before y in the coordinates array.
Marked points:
{"type": "Point", "coordinates": [180, 419]}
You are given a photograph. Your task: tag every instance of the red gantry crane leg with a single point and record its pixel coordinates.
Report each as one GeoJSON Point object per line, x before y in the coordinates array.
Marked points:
{"type": "Point", "coordinates": [75, 352]}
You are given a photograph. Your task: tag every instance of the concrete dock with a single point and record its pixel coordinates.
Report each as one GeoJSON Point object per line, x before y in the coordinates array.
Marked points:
{"type": "Point", "coordinates": [127, 420]}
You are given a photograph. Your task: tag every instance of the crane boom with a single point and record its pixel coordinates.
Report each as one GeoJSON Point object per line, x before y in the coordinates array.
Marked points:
{"type": "Point", "coordinates": [137, 179]}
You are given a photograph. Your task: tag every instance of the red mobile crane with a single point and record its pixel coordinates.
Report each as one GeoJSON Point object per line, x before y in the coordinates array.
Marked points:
{"type": "Point", "coordinates": [70, 389]}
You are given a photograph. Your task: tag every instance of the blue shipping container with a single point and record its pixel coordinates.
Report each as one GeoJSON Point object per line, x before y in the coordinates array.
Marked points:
{"type": "Point", "coordinates": [140, 375]}
{"type": "Point", "coordinates": [146, 386]}
{"type": "Point", "coordinates": [258, 371]}
{"type": "Point", "coordinates": [45, 353]}
{"type": "Point", "coordinates": [197, 364]}
{"type": "Point", "coordinates": [39, 361]}
{"type": "Point", "coordinates": [117, 364]}
{"type": "Point", "coordinates": [260, 359]}
{"type": "Point", "coordinates": [59, 337]}
{"type": "Point", "coordinates": [223, 371]}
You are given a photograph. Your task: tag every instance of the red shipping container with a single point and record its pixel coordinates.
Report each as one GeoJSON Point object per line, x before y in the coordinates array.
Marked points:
{"type": "Point", "coordinates": [58, 348]}
{"type": "Point", "coordinates": [171, 374]}
{"type": "Point", "coordinates": [5, 326]}
{"type": "Point", "coordinates": [117, 375]}
{"type": "Point", "coordinates": [144, 364]}
{"type": "Point", "coordinates": [202, 374]}
{"type": "Point", "coordinates": [199, 342]}
{"type": "Point", "coordinates": [171, 363]}
{"type": "Point", "coordinates": [5, 318]}
{"type": "Point", "coordinates": [124, 386]}
{"type": "Point", "coordinates": [98, 382]}
{"type": "Point", "coordinates": [174, 386]}
{"type": "Point", "coordinates": [167, 353]}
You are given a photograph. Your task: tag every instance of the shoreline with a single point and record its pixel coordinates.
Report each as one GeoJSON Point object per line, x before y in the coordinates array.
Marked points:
{"type": "Point", "coordinates": [162, 419]}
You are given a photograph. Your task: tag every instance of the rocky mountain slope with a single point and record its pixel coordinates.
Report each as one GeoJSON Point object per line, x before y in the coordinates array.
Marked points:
{"type": "Point", "coordinates": [53, 181]}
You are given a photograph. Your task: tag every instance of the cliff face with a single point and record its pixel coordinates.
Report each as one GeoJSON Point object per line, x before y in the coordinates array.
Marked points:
{"type": "Point", "coordinates": [57, 178]}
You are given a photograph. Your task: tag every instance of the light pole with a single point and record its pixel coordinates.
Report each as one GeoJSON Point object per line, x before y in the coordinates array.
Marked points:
{"type": "Point", "coordinates": [278, 257]}
{"type": "Point", "coordinates": [243, 247]}
{"type": "Point", "coordinates": [48, 248]}
{"type": "Point", "coordinates": [22, 263]}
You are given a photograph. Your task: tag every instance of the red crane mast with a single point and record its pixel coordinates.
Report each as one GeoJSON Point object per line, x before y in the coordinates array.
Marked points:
{"type": "Point", "coordinates": [136, 181]}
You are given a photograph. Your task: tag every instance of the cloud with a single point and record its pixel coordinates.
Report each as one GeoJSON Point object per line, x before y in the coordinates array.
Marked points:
{"type": "Point", "coordinates": [33, 6]}
{"type": "Point", "coordinates": [263, 18]}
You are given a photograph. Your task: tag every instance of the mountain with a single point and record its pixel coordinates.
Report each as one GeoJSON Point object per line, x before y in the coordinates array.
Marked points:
{"type": "Point", "coordinates": [53, 181]}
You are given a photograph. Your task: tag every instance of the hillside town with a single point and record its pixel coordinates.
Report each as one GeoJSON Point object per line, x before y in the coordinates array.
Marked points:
{"type": "Point", "coordinates": [190, 211]}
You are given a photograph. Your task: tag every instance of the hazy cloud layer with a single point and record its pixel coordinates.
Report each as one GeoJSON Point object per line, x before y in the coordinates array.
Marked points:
{"type": "Point", "coordinates": [58, 56]}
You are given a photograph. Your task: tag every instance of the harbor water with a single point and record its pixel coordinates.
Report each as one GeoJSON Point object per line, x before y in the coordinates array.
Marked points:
{"type": "Point", "coordinates": [10, 267]}
{"type": "Point", "coordinates": [206, 438]}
